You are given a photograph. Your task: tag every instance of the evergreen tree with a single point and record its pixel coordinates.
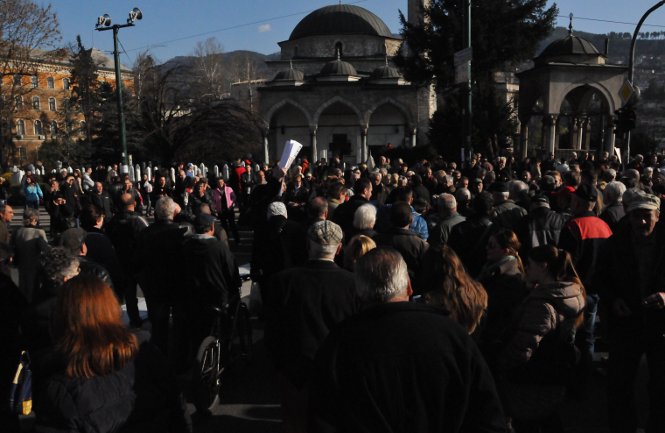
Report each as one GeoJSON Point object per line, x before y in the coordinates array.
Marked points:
{"type": "Point", "coordinates": [504, 33]}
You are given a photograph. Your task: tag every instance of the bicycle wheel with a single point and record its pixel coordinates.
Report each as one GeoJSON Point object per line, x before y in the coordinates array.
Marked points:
{"type": "Point", "coordinates": [206, 376]}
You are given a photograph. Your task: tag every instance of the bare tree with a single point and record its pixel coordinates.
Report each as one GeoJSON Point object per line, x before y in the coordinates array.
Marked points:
{"type": "Point", "coordinates": [209, 69]}
{"type": "Point", "coordinates": [28, 32]}
{"type": "Point", "coordinates": [244, 80]}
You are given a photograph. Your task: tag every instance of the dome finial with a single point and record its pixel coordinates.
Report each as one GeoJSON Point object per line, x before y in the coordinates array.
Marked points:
{"type": "Point", "coordinates": [339, 53]}
{"type": "Point", "coordinates": [291, 64]}
{"type": "Point", "coordinates": [570, 26]}
{"type": "Point", "coordinates": [386, 59]}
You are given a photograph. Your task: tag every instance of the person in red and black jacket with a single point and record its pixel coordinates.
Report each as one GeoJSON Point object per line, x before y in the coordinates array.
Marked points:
{"type": "Point", "coordinates": [583, 237]}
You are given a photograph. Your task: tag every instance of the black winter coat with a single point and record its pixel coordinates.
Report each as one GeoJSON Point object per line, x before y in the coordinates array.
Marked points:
{"type": "Point", "coordinates": [402, 367]}
{"type": "Point", "coordinates": [143, 396]}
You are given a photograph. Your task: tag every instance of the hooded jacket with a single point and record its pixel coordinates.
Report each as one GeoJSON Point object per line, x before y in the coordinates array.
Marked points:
{"type": "Point", "coordinates": [548, 308]}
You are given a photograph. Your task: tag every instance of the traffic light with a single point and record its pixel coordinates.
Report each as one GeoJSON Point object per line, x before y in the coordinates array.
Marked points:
{"type": "Point", "coordinates": [625, 120]}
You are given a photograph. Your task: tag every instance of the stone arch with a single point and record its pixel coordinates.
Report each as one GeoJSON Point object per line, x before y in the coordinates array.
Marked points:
{"type": "Point", "coordinates": [271, 112]}
{"type": "Point", "coordinates": [559, 98]}
{"type": "Point", "coordinates": [333, 100]}
{"type": "Point", "coordinates": [388, 101]}
{"type": "Point", "coordinates": [585, 117]}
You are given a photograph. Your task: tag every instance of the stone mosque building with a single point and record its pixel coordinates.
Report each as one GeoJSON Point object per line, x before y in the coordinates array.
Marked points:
{"type": "Point", "coordinates": [336, 90]}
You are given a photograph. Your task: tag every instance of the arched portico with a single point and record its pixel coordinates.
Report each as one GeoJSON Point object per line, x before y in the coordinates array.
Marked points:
{"type": "Point", "coordinates": [578, 94]}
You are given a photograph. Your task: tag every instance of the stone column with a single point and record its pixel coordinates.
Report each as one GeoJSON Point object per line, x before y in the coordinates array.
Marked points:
{"type": "Point", "coordinates": [579, 139]}
{"type": "Point", "coordinates": [314, 150]}
{"type": "Point", "coordinates": [610, 132]}
{"type": "Point", "coordinates": [363, 144]}
{"type": "Point", "coordinates": [550, 121]}
{"type": "Point", "coordinates": [574, 130]}
{"type": "Point", "coordinates": [587, 133]}
{"type": "Point", "coordinates": [414, 137]}
{"type": "Point", "coordinates": [266, 149]}
{"type": "Point", "coordinates": [524, 139]}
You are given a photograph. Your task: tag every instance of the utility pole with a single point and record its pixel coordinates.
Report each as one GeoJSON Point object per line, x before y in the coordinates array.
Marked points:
{"type": "Point", "coordinates": [469, 84]}
{"type": "Point", "coordinates": [631, 66]}
{"type": "Point", "coordinates": [103, 24]}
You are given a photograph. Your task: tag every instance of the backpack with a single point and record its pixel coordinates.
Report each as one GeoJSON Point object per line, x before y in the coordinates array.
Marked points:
{"type": "Point", "coordinates": [20, 393]}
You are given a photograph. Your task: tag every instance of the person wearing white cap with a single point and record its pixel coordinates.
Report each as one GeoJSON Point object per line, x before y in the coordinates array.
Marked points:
{"type": "Point", "coordinates": [303, 305]}
{"type": "Point", "coordinates": [631, 276]}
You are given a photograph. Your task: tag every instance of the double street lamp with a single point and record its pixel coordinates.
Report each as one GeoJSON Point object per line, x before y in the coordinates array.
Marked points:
{"type": "Point", "coordinates": [103, 24]}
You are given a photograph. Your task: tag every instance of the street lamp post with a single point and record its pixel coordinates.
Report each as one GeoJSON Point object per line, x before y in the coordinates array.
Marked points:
{"type": "Point", "coordinates": [103, 24]}
{"type": "Point", "coordinates": [469, 85]}
{"type": "Point", "coordinates": [631, 62]}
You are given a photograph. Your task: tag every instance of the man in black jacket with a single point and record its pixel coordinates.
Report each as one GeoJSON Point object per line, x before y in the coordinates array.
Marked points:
{"type": "Point", "coordinates": [400, 366]}
{"type": "Point", "coordinates": [403, 239]}
{"type": "Point", "coordinates": [304, 304]}
{"type": "Point", "coordinates": [584, 236]}
{"type": "Point", "coordinates": [211, 279]}
{"type": "Point", "coordinates": [123, 230]}
{"type": "Point", "coordinates": [345, 211]}
{"type": "Point", "coordinates": [632, 285]}
{"type": "Point", "coordinates": [158, 266]}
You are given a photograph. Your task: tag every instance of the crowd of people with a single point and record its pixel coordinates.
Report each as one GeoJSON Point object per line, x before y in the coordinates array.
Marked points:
{"type": "Point", "coordinates": [431, 296]}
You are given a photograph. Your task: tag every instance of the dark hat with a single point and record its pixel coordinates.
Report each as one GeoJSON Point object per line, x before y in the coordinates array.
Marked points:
{"type": "Point", "coordinates": [483, 204]}
{"type": "Point", "coordinates": [73, 239]}
{"type": "Point", "coordinates": [586, 192]}
{"type": "Point", "coordinates": [540, 200]}
{"type": "Point", "coordinates": [641, 200]}
{"type": "Point", "coordinates": [325, 233]}
{"type": "Point", "coordinates": [547, 183]}
{"type": "Point", "coordinates": [203, 221]}
{"type": "Point", "coordinates": [499, 187]}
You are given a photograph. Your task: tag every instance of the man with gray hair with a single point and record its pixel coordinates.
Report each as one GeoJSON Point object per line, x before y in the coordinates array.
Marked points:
{"type": "Point", "coordinates": [614, 210]}
{"type": "Point", "coordinates": [397, 363]}
{"type": "Point", "coordinates": [364, 220]}
{"type": "Point", "coordinates": [158, 268]}
{"type": "Point", "coordinates": [303, 305]}
{"type": "Point", "coordinates": [448, 217]}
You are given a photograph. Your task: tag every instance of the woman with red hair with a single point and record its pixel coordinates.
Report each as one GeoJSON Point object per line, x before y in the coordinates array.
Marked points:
{"type": "Point", "coordinates": [103, 379]}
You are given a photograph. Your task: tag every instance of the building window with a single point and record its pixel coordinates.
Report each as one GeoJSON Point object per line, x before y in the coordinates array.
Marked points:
{"type": "Point", "coordinates": [36, 103]}
{"type": "Point", "coordinates": [17, 79]}
{"type": "Point", "coordinates": [35, 81]}
{"type": "Point", "coordinates": [50, 83]}
{"type": "Point", "coordinates": [20, 128]}
{"type": "Point", "coordinates": [51, 104]}
{"type": "Point", "coordinates": [65, 83]}
{"type": "Point", "coordinates": [54, 128]}
{"type": "Point", "coordinates": [18, 102]}
{"type": "Point", "coordinates": [338, 49]}
{"type": "Point", "coordinates": [39, 129]}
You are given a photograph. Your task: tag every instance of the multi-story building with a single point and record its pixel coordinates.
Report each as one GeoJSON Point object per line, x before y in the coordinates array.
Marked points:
{"type": "Point", "coordinates": [35, 101]}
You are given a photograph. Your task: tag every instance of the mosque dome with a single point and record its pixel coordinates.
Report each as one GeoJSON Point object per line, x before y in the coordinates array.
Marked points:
{"type": "Point", "coordinates": [571, 49]}
{"type": "Point", "coordinates": [338, 67]}
{"type": "Point", "coordinates": [289, 75]}
{"type": "Point", "coordinates": [385, 72]}
{"type": "Point", "coordinates": [340, 19]}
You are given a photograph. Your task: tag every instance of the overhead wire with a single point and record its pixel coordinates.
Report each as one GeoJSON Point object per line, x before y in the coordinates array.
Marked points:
{"type": "Point", "coordinates": [611, 21]}
{"type": "Point", "coordinates": [233, 27]}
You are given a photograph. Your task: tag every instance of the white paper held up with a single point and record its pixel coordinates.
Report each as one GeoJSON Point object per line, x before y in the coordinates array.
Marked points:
{"type": "Point", "coordinates": [291, 150]}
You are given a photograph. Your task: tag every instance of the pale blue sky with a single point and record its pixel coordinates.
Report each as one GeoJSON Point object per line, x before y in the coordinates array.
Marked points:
{"type": "Point", "coordinates": [173, 27]}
